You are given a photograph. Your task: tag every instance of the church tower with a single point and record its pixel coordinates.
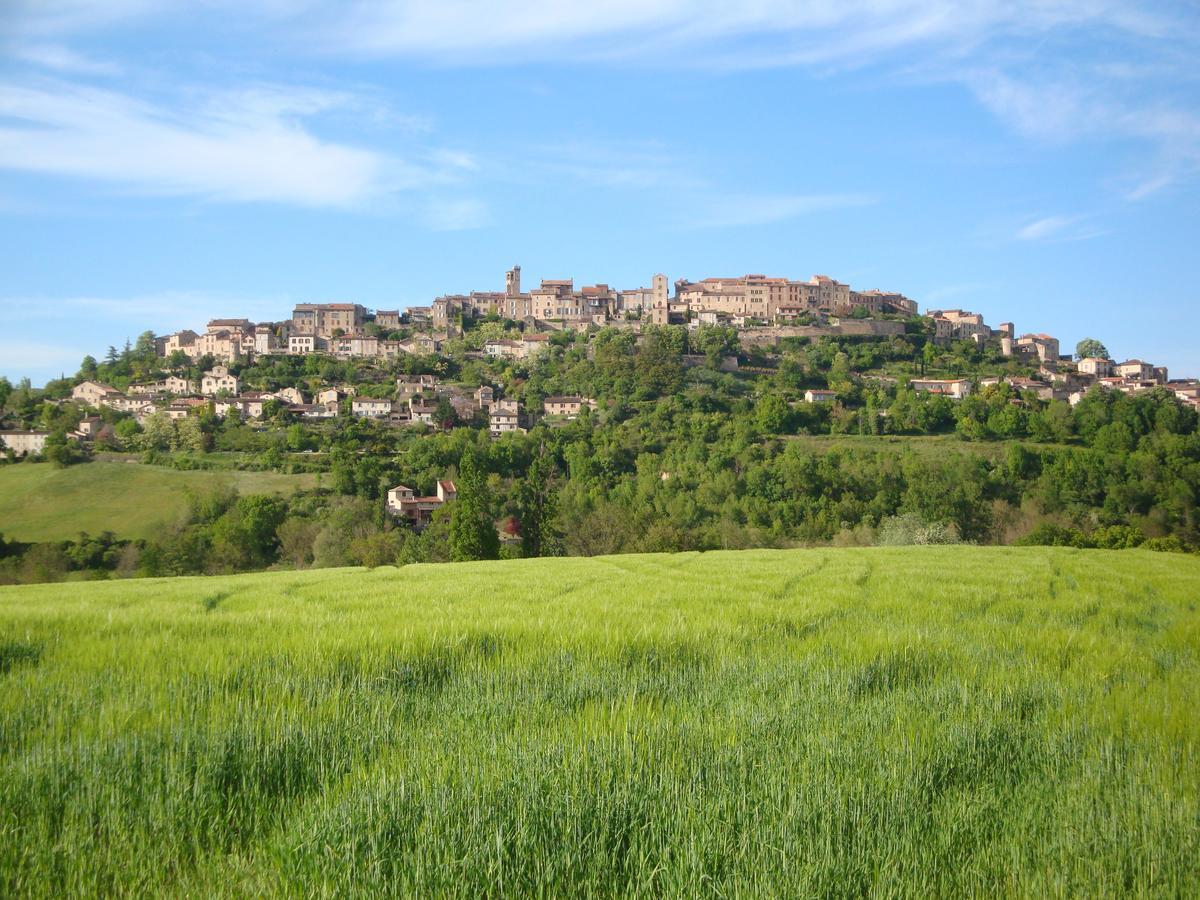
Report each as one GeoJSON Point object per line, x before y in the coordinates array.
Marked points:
{"type": "Point", "coordinates": [512, 282]}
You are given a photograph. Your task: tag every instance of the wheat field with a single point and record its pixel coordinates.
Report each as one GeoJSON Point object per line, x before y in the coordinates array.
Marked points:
{"type": "Point", "coordinates": [924, 722]}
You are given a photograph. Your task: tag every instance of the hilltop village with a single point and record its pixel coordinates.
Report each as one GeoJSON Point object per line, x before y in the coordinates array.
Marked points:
{"type": "Point", "coordinates": [653, 418]}
{"type": "Point", "coordinates": [762, 310]}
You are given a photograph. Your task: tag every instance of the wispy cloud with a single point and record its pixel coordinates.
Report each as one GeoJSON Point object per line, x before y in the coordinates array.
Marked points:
{"type": "Point", "coordinates": [1061, 109]}
{"type": "Point", "coordinates": [60, 58]}
{"type": "Point", "coordinates": [742, 210]}
{"type": "Point", "coordinates": [1059, 229]}
{"type": "Point", "coordinates": [253, 144]}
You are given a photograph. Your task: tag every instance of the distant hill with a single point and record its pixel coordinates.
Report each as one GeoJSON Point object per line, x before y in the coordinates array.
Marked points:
{"type": "Point", "coordinates": [922, 721]}
{"type": "Point", "coordinates": [42, 503]}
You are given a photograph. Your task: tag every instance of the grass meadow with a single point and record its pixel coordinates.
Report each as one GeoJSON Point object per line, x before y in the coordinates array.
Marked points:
{"type": "Point", "coordinates": [39, 502]}
{"type": "Point", "coordinates": [887, 721]}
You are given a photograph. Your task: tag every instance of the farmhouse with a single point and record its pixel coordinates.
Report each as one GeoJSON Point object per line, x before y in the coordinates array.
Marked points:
{"type": "Point", "coordinates": [371, 407]}
{"type": "Point", "coordinates": [93, 393]}
{"type": "Point", "coordinates": [24, 443]}
{"type": "Point", "coordinates": [566, 406]}
{"type": "Point", "coordinates": [403, 502]}
{"type": "Point", "coordinates": [954, 388]}
{"type": "Point", "coordinates": [819, 396]}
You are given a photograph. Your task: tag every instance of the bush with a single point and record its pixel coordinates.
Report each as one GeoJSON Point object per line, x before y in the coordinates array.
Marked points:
{"type": "Point", "coordinates": [909, 529]}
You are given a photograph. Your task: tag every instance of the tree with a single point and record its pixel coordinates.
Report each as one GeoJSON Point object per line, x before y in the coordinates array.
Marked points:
{"type": "Point", "coordinates": [538, 509]}
{"type": "Point", "coordinates": [1090, 348]}
{"type": "Point", "coordinates": [61, 451]}
{"type": "Point", "coordinates": [472, 530]}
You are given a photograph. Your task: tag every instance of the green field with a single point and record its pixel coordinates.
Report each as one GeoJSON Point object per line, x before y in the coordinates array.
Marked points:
{"type": "Point", "coordinates": [41, 503]}
{"type": "Point", "coordinates": [886, 722]}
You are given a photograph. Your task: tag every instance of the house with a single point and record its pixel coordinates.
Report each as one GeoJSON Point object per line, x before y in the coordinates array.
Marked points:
{"type": "Point", "coordinates": [324, 320]}
{"type": "Point", "coordinates": [371, 407]}
{"type": "Point", "coordinates": [264, 340]}
{"type": "Point", "coordinates": [301, 344]}
{"type": "Point", "coordinates": [177, 411]}
{"type": "Point", "coordinates": [328, 396]}
{"type": "Point", "coordinates": [819, 396]}
{"type": "Point", "coordinates": [93, 393]}
{"type": "Point", "coordinates": [219, 379]}
{"type": "Point", "coordinates": [402, 502]}
{"type": "Point", "coordinates": [407, 388]}
{"type": "Point", "coordinates": [1095, 366]}
{"type": "Point", "coordinates": [504, 416]}
{"type": "Point", "coordinates": [464, 407]}
{"type": "Point", "coordinates": [135, 405]}
{"type": "Point", "coordinates": [954, 388]}
{"type": "Point", "coordinates": [248, 407]}
{"type": "Point", "coordinates": [1045, 346]}
{"type": "Point", "coordinates": [504, 349]}
{"type": "Point", "coordinates": [421, 343]}
{"type": "Point", "coordinates": [182, 341]}
{"type": "Point", "coordinates": [534, 343]}
{"type": "Point", "coordinates": [566, 406]}
{"type": "Point", "coordinates": [289, 395]}
{"type": "Point", "coordinates": [421, 413]}
{"type": "Point", "coordinates": [387, 319]}
{"type": "Point", "coordinates": [24, 443]}
{"type": "Point", "coordinates": [1134, 370]}
{"type": "Point", "coordinates": [93, 428]}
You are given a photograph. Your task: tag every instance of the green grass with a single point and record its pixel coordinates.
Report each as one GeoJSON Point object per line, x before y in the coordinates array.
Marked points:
{"type": "Point", "coordinates": [888, 722]}
{"type": "Point", "coordinates": [41, 503]}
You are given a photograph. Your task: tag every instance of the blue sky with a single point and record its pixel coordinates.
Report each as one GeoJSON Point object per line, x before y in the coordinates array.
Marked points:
{"type": "Point", "coordinates": [164, 162]}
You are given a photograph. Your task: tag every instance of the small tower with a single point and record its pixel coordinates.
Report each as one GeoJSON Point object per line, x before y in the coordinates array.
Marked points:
{"type": "Point", "coordinates": [659, 286]}
{"type": "Point", "coordinates": [512, 282]}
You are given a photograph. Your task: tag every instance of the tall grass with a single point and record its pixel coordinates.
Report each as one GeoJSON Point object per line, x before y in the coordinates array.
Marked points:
{"type": "Point", "coordinates": [894, 722]}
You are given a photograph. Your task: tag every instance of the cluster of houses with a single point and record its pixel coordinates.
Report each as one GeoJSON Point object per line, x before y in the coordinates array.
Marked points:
{"type": "Point", "coordinates": [415, 401]}
{"type": "Point", "coordinates": [351, 330]}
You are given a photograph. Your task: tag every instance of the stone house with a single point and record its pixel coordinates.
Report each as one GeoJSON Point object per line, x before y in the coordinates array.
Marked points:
{"type": "Point", "coordinates": [93, 393]}
{"type": "Point", "coordinates": [956, 388]}
{"type": "Point", "coordinates": [219, 379]}
{"type": "Point", "coordinates": [504, 417]}
{"type": "Point", "coordinates": [371, 407]}
{"type": "Point", "coordinates": [569, 406]}
{"type": "Point", "coordinates": [402, 502]}
{"type": "Point", "coordinates": [819, 396]}
{"type": "Point", "coordinates": [24, 443]}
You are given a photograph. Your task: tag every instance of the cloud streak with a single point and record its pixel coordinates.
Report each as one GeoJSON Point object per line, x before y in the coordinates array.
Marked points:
{"type": "Point", "coordinates": [254, 144]}
{"type": "Point", "coordinates": [743, 210]}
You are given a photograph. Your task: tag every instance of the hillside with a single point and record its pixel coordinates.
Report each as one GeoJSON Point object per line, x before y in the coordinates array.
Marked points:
{"type": "Point", "coordinates": [43, 503]}
{"type": "Point", "coordinates": [913, 721]}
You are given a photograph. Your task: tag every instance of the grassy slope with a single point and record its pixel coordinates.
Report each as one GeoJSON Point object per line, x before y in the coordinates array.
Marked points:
{"type": "Point", "coordinates": [41, 503]}
{"type": "Point", "coordinates": [921, 722]}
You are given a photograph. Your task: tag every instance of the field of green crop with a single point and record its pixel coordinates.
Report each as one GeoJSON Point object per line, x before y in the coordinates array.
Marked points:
{"type": "Point", "coordinates": [41, 503]}
{"type": "Point", "coordinates": [887, 721]}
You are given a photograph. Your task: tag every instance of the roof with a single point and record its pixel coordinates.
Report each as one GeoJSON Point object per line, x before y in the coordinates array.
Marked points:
{"type": "Point", "coordinates": [448, 486]}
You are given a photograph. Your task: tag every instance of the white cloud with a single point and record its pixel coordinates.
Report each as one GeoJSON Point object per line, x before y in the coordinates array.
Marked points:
{"type": "Point", "coordinates": [1059, 229]}
{"type": "Point", "coordinates": [248, 145]}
